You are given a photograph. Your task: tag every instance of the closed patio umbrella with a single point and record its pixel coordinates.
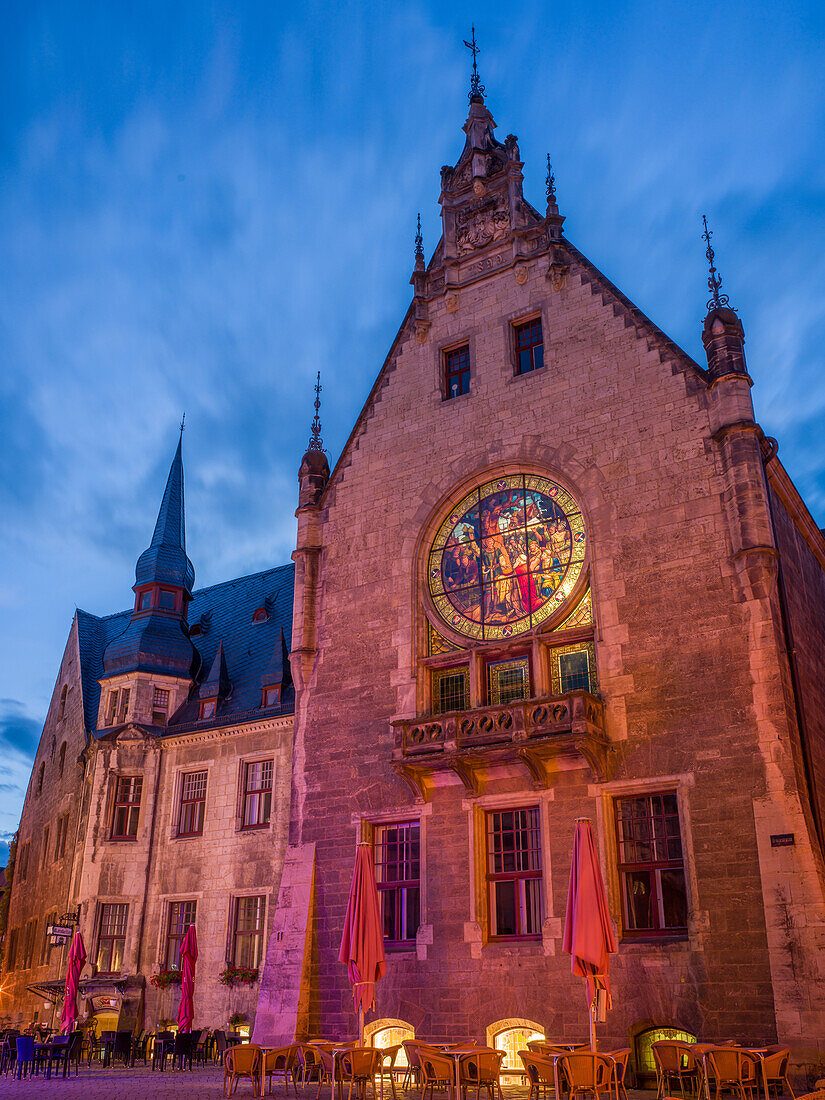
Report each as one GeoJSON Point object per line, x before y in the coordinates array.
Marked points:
{"type": "Point", "coordinates": [362, 944]}
{"type": "Point", "coordinates": [588, 929]}
{"type": "Point", "coordinates": [188, 958]}
{"type": "Point", "coordinates": [77, 960]}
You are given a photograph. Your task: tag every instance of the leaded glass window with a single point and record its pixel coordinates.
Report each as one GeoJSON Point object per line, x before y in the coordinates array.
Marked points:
{"type": "Point", "coordinates": [451, 689]}
{"type": "Point", "coordinates": [181, 915]}
{"type": "Point", "coordinates": [397, 874]}
{"type": "Point", "coordinates": [651, 864]}
{"type": "Point", "coordinates": [514, 873]}
{"type": "Point", "coordinates": [508, 681]}
{"type": "Point", "coordinates": [507, 557]}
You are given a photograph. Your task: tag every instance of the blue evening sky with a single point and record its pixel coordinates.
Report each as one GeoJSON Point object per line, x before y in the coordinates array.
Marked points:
{"type": "Point", "coordinates": [201, 204]}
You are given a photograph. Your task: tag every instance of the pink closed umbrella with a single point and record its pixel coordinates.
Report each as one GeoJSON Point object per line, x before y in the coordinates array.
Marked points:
{"type": "Point", "coordinates": [588, 929]}
{"type": "Point", "coordinates": [77, 960]}
{"type": "Point", "coordinates": [362, 944]}
{"type": "Point", "coordinates": [188, 958]}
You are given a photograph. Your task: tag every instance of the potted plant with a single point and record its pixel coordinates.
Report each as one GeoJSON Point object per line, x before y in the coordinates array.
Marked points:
{"type": "Point", "coordinates": [235, 1020]}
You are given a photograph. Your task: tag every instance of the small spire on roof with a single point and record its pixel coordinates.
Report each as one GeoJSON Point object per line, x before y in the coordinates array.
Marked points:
{"type": "Point", "coordinates": [419, 247]}
{"type": "Point", "coordinates": [315, 441]}
{"type": "Point", "coordinates": [182, 423]}
{"type": "Point", "coordinates": [717, 300]}
{"type": "Point", "coordinates": [476, 87]}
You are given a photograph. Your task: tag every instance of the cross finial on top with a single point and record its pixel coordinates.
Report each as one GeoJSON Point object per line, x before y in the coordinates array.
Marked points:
{"type": "Point", "coordinates": [315, 441]}
{"type": "Point", "coordinates": [476, 87]}
{"type": "Point", "coordinates": [714, 278]}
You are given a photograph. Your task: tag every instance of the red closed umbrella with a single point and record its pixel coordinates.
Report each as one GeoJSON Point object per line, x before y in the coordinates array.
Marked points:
{"type": "Point", "coordinates": [588, 929]}
{"type": "Point", "coordinates": [77, 960]}
{"type": "Point", "coordinates": [362, 944]}
{"type": "Point", "coordinates": [188, 958]}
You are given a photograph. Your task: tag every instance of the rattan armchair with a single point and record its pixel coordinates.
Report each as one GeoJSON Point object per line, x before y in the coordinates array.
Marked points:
{"type": "Point", "coordinates": [775, 1069]}
{"type": "Point", "coordinates": [412, 1048]}
{"type": "Point", "coordinates": [437, 1071]}
{"type": "Point", "coordinates": [389, 1056]}
{"type": "Point", "coordinates": [620, 1062]}
{"type": "Point", "coordinates": [586, 1072]}
{"type": "Point", "coordinates": [243, 1060]}
{"type": "Point", "coordinates": [541, 1073]}
{"type": "Point", "coordinates": [733, 1070]}
{"type": "Point", "coordinates": [281, 1062]}
{"type": "Point", "coordinates": [675, 1061]}
{"type": "Point", "coordinates": [481, 1071]}
{"type": "Point", "coordinates": [360, 1066]}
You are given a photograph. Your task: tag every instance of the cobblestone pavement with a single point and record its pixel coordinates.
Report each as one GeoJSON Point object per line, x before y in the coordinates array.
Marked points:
{"type": "Point", "coordinates": [139, 1083]}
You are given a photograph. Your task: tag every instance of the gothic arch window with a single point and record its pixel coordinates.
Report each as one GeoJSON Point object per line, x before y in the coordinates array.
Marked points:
{"type": "Point", "coordinates": [506, 558]}
{"type": "Point", "coordinates": [62, 708]}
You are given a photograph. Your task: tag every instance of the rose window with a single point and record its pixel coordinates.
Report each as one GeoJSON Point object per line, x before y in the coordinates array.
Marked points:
{"type": "Point", "coordinates": [507, 557]}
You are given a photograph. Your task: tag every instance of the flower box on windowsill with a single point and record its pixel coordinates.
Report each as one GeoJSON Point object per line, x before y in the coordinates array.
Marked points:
{"type": "Point", "coordinates": [164, 978]}
{"type": "Point", "coordinates": [238, 975]}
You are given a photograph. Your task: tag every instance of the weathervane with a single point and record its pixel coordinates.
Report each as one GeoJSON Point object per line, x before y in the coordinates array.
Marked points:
{"type": "Point", "coordinates": [551, 183]}
{"type": "Point", "coordinates": [315, 441]}
{"type": "Point", "coordinates": [714, 279]}
{"type": "Point", "coordinates": [419, 244]}
{"type": "Point", "coordinates": [182, 422]}
{"type": "Point", "coordinates": [476, 87]}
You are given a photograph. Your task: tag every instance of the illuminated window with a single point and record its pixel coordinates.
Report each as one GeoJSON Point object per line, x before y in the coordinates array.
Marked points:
{"type": "Point", "coordinates": [651, 867]}
{"type": "Point", "coordinates": [257, 803]}
{"type": "Point", "coordinates": [506, 557]}
{"type": "Point", "coordinates": [511, 1041]}
{"type": "Point", "coordinates": [529, 346]}
{"type": "Point", "coordinates": [127, 807]}
{"type": "Point", "coordinates": [514, 873]}
{"type": "Point", "coordinates": [645, 1062]}
{"type": "Point", "coordinates": [392, 1035]}
{"type": "Point", "coordinates": [248, 933]}
{"type": "Point", "coordinates": [181, 915]}
{"type": "Point", "coordinates": [192, 804]}
{"type": "Point", "coordinates": [508, 681]}
{"type": "Point", "coordinates": [457, 371]}
{"type": "Point", "coordinates": [397, 874]}
{"type": "Point", "coordinates": [111, 938]}
{"type": "Point", "coordinates": [573, 668]}
{"type": "Point", "coordinates": [451, 689]}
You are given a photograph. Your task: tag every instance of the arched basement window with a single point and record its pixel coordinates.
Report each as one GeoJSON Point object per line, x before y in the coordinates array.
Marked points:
{"type": "Point", "coordinates": [389, 1033]}
{"type": "Point", "coordinates": [645, 1062]}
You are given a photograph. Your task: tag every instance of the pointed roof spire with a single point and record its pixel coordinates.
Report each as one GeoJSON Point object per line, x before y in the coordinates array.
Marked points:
{"type": "Point", "coordinates": [165, 559]}
{"type": "Point", "coordinates": [477, 89]}
{"type": "Point", "coordinates": [217, 684]}
{"type": "Point", "coordinates": [550, 189]}
{"type": "Point", "coordinates": [717, 300]}
{"type": "Point", "coordinates": [419, 247]}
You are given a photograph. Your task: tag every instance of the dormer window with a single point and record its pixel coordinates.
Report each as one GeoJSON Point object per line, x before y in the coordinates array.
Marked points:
{"type": "Point", "coordinates": [208, 708]}
{"type": "Point", "coordinates": [168, 599]}
{"type": "Point", "coordinates": [260, 615]}
{"type": "Point", "coordinates": [160, 706]}
{"type": "Point", "coordinates": [145, 601]}
{"type": "Point", "coordinates": [272, 696]}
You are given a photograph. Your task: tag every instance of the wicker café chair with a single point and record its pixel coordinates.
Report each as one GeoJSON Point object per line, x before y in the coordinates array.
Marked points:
{"type": "Point", "coordinates": [308, 1062]}
{"type": "Point", "coordinates": [437, 1072]}
{"type": "Point", "coordinates": [540, 1071]}
{"type": "Point", "coordinates": [282, 1062]}
{"type": "Point", "coordinates": [329, 1064]}
{"type": "Point", "coordinates": [775, 1069]}
{"type": "Point", "coordinates": [389, 1056]}
{"type": "Point", "coordinates": [359, 1066]}
{"type": "Point", "coordinates": [733, 1070]}
{"type": "Point", "coordinates": [675, 1061]}
{"type": "Point", "coordinates": [481, 1071]}
{"type": "Point", "coordinates": [585, 1072]}
{"type": "Point", "coordinates": [412, 1048]}
{"type": "Point", "coordinates": [243, 1060]}
{"type": "Point", "coordinates": [620, 1061]}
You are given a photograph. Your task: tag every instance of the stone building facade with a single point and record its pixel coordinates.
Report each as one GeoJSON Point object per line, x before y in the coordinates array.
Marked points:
{"type": "Point", "coordinates": [159, 795]}
{"type": "Point", "coordinates": [557, 571]}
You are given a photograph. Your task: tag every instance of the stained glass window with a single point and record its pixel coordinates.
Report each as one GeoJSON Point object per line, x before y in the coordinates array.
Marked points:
{"type": "Point", "coordinates": [573, 667]}
{"type": "Point", "coordinates": [508, 681]}
{"type": "Point", "coordinates": [507, 557]}
{"type": "Point", "coordinates": [451, 689]}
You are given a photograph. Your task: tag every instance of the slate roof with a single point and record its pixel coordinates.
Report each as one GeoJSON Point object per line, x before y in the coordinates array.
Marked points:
{"type": "Point", "coordinates": [224, 613]}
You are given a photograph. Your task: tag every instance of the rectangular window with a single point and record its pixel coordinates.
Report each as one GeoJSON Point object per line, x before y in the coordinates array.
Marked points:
{"type": "Point", "coordinates": [160, 706]}
{"type": "Point", "coordinates": [192, 804]}
{"type": "Point", "coordinates": [181, 915]}
{"type": "Point", "coordinates": [28, 949]}
{"type": "Point", "coordinates": [145, 601]}
{"type": "Point", "coordinates": [61, 837]}
{"type": "Point", "coordinates": [24, 861]}
{"type": "Point", "coordinates": [46, 945]}
{"type": "Point", "coordinates": [514, 873]}
{"type": "Point", "coordinates": [508, 681]}
{"type": "Point", "coordinates": [123, 704]}
{"type": "Point", "coordinates": [398, 875]}
{"type": "Point", "coordinates": [651, 865]}
{"type": "Point", "coordinates": [111, 708]}
{"type": "Point", "coordinates": [11, 950]}
{"type": "Point", "coordinates": [111, 938]}
{"type": "Point", "coordinates": [208, 708]}
{"type": "Point", "coordinates": [272, 696]}
{"type": "Point", "coordinates": [44, 855]}
{"type": "Point", "coordinates": [248, 933]}
{"type": "Point", "coordinates": [257, 803]}
{"type": "Point", "coordinates": [529, 346]}
{"type": "Point", "coordinates": [451, 689]}
{"type": "Point", "coordinates": [127, 807]}
{"type": "Point", "coordinates": [573, 668]}
{"type": "Point", "coordinates": [167, 599]}
{"type": "Point", "coordinates": [457, 371]}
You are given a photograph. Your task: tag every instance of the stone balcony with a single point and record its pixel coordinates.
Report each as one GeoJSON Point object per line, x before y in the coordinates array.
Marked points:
{"type": "Point", "coordinates": [538, 736]}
